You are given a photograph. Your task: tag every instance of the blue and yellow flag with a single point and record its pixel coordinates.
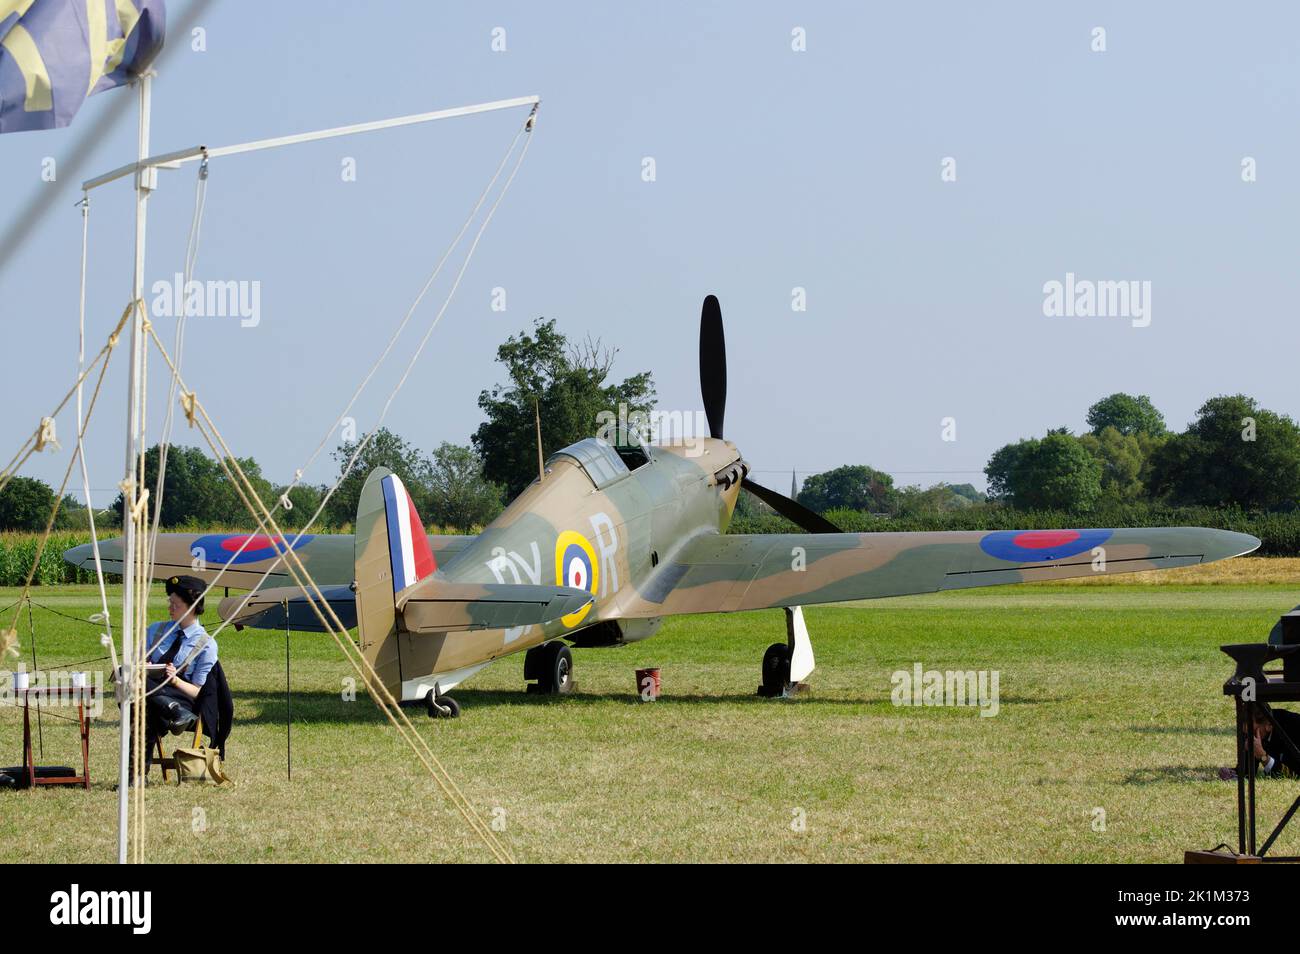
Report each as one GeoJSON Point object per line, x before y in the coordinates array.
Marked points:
{"type": "Point", "coordinates": [55, 53]}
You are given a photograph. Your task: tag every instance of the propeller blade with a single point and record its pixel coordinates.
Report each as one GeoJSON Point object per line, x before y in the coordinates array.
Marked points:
{"type": "Point", "coordinates": [792, 510]}
{"type": "Point", "coordinates": [713, 365]}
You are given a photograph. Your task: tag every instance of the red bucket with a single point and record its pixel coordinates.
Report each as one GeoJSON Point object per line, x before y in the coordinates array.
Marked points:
{"type": "Point", "coordinates": [648, 684]}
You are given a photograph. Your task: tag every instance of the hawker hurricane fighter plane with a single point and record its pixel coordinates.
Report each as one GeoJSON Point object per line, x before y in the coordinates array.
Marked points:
{"type": "Point", "coordinates": [606, 543]}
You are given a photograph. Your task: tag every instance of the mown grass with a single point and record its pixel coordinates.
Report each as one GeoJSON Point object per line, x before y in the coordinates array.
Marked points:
{"type": "Point", "coordinates": [1110, 700]}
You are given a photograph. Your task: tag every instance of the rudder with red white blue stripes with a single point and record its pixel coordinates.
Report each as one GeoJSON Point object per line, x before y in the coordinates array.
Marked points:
{"type": "Point", "coordinates": [408, 547]}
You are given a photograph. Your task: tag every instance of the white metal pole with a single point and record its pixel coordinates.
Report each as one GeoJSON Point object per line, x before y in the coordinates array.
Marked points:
{"type": "Point", "coordinates": [133, 411]}
{"type": "Point", "coordinates": [174, 160]}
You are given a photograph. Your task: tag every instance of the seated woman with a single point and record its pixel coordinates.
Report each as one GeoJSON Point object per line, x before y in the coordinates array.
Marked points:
{"type": "Point", "coordinates": [1272, 756]}
{"type": "Point", "coordinates": [188, 654]}
{"type": "Point", "coordinates": [1271, 753]}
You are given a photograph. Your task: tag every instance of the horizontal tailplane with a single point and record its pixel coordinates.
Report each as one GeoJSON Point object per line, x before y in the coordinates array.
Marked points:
{"type": "Point", "coordinates": [437, 606]}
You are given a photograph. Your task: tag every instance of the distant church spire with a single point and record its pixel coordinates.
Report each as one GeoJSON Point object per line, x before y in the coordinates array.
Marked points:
{"type": "Point", "coordinates": [794, 486]}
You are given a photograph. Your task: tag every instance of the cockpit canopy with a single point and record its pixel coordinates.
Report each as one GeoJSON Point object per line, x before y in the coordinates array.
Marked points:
{"type": "Point", "coordinates": [601, 461]}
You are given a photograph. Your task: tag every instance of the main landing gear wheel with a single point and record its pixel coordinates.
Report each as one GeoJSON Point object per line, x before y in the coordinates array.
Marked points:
{"type": "Point", "coordinates": [441, 707]}
{"type": "Point", "coordinates": [551, 664]}
{"type": "Point", "coordinates": [787, 666]}
{"type": "Point", "coordinates": [776, 671]}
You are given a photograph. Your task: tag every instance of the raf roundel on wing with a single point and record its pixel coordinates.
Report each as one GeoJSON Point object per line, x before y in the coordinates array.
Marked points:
{"type": "Point", "coordinates": [223, 548]}
{"type": "Point", "coordinates": [1039, 546]}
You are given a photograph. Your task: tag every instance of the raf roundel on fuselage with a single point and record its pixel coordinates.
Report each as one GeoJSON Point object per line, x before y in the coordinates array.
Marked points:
{"type": "Point", "coordinates": [576, 567]}
{"type": "Point", "coordinates": [1038, 546]}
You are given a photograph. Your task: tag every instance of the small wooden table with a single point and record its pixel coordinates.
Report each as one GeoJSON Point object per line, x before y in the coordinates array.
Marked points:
{"type": "Point", "coordinates": [66, 695]}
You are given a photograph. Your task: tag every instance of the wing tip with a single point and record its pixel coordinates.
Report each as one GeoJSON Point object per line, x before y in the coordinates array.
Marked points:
{"type": "Point", "coordinates": [1244, 543]}
{"type": "Point", "coordinates": [1227, 544]}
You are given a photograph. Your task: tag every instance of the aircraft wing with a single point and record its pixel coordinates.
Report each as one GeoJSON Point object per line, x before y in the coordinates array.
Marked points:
{"type": "Point", "coordinates": [720, 573]}
{"type": "Point", "coordinates": [327, 556]}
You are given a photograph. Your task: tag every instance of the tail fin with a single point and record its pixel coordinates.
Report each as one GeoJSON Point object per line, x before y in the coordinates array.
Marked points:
{"type": "Point", "coordinates": [391, 555]}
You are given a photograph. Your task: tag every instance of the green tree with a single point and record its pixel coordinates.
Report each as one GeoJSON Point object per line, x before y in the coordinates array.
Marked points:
{"type": "Point", "coordinates": [969, 492]}
{"type": "Point", "coordinates": [1148, 446]}
{"type": "Point", "coordinates": [1054, 473]}
{"type": "Point", "coordinates": [231, 510]}
{"type": "Point", "coordinates": [384, 449]}
{"type": "Point", "coordinates": [567, 383]}
{"type": "Point", "coordinates": [913, 501]}
{"type": "Point", "coordinates": [72, 515]}
{"type": "Point", "coordinates": [1122, 459]}
{"type": "Point", "coordinates": [748, 506]}
{"type": "Point", "coordinates": [1127, 414]}
{"type": "Point", "coordinates": [305, 499]}
{"type": "Point", "coordinates": [1003, 467]}
{"type": "Point", "coordinates": [25, 504]}
{"type": "Point", "coordinates": [196, 491]}
{"type": "Point", "coordinates": [853, 486]}
{"type": "Point", "coordinates": [1234, 453]}
{"type": "Point", "coordinates": [459, 495]}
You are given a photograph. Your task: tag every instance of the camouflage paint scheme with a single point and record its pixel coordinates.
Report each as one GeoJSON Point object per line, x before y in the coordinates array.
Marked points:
{"type": "Point", "coordinates": [599, 555]}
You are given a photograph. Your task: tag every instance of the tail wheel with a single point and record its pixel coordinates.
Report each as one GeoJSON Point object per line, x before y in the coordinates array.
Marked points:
{"type": "Point", "coordinates": [776, 668]}
{"type": "Point", "coordinates": [441, 707]}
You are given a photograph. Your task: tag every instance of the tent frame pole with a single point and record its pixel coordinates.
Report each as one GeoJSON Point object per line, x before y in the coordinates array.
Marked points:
{"type": "Point", "coordinates": [145, 178]}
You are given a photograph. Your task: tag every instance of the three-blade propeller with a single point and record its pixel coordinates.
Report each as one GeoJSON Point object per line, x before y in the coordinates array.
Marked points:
{"type": "Point", "coordinates": [713, 389]}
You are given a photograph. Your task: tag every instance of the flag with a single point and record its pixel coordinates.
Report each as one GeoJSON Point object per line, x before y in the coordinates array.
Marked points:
{"type": "Point", "coordinates": [55, 53]}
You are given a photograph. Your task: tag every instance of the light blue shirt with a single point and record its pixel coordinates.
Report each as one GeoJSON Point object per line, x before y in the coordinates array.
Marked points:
{"type": "Point", "coordinates": [164, 634]}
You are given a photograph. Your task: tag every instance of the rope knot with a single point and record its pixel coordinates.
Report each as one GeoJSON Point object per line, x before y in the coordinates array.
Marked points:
{"type": "Point", "coordinates": [9, 643]}
{"type": "Point", "coordinates": [46, 435]}
{"type": "Point", "coordinates": [128, 494]}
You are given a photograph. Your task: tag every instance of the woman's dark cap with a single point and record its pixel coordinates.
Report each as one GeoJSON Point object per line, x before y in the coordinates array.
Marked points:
{"type": "Point", "coordinates": [188, 588]}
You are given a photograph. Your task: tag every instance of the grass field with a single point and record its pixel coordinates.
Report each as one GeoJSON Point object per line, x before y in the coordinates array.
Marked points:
{"type": "Point", "coordinates": [1109, 699]}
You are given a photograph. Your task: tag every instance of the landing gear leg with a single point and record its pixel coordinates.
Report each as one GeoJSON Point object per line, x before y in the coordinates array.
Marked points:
{"type": "Point", "coordinates": [440, 706]}
{"type": "Point", "coordinates": [551, 664]}
{"type": "Point", "coordinates": [786, 665]}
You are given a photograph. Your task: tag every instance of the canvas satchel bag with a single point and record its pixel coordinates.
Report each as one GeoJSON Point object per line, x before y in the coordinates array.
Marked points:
{"type": "Point", "coordinates": [200, 764]}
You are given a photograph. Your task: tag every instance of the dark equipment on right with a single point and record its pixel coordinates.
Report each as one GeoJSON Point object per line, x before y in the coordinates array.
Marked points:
{"type": "Point", "coordinates": [1253, 690]}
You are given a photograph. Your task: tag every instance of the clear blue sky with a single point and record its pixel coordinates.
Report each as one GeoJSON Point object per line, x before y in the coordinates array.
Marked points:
{"type": "Point", "coordinates": [775, 169]}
